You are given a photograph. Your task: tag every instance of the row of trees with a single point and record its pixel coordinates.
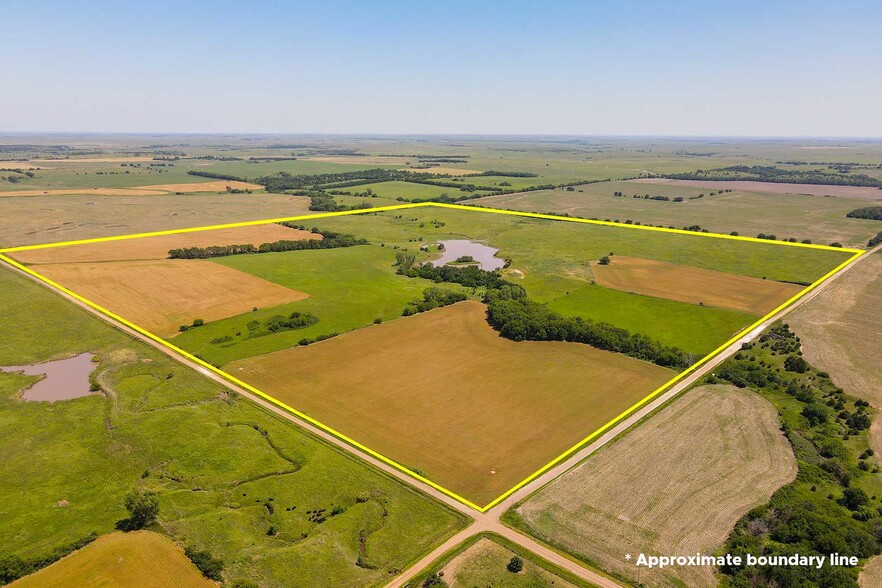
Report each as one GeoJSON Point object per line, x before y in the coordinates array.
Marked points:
{"type": "Point", "coordinates": [330, 240]}
{"type": "Point", "coordinates": [766, 173]}
{"type": "Point", "coordinates": [433, 298]}
{"type": "Point", "coordinates": [869, 212]}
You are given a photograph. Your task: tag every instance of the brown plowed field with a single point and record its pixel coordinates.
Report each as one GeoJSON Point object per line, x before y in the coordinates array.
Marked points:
{"type": "Point", "coordinates": [676, 485]}
{"type": "Point", "coordinates": [443, 393]}
{"type": "Point", "coordinates": [146, 248]}
{"type": "Point", "coordinates": [163, 294]}
{"type": "Point", "coordinates": [693, 285]}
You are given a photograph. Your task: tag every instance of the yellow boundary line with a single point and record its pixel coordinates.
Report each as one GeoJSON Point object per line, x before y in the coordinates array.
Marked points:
{"type": "Point", "coordinates": [856, 253]}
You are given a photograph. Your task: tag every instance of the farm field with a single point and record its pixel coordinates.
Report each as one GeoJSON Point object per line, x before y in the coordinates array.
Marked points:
{"type": "Point", "coordinates": [801, 216]}
{"type": "Point", "coordinates": [454, 373]}
{"type": "Point", "coordinates": [162, 427]}
{"type": "Point", "coordinates": [859, 192]}
{"type": "Point", "coordinates": [670, 281]}
{"type": "Point", "coordinates": [408, 190]}
{"type": "Point", "coordinates": [841, 329]}
{"type": "Point", "coordinates": [139, 558]}
{"type": "Point", "coordinates": [728, 440]}
{"type": "Point", "coordinates": [155, 190]}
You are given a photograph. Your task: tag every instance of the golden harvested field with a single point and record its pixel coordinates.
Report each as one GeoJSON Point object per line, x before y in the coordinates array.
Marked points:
{"type": "Point", "coordinates": [44, 219]}
{"type": "Point", "coordinates": [693, 285]}
{"type": "Point", "coordinates": [154, 190]}
{"type": "Point", "coordinates": [160, 295]}
{"type": "Point", "coordinates": [148, 248]}
{"type": "Point", "coordinates": [441, 392]}
{"type": "Point", "coordinates": [841, 328]}
{"type": "Point", "coordinates": [140, 558]}
{"type": "Point", "coordinates": [675, 485]}
{"type": "Point", "coordinates": [863, 192]}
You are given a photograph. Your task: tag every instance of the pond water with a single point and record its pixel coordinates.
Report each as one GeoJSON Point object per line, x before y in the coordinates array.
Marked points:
{"type": "Point", "coordinates": [64, 379]}
{"type": "Point", "coordinates": [484, 255]}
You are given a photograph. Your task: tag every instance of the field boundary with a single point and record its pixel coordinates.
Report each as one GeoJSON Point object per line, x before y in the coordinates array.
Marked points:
{"type": "Point", "coordinates": [855, 254]}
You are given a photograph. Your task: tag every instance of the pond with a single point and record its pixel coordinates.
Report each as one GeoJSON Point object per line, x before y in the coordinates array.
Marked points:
{"type": "Point", "coordinates": [64, 379]}
{"type": "Point", "coordinates": [484, 255]}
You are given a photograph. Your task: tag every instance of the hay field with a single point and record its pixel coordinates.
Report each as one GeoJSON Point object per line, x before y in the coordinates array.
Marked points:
{"type": "Point", "coordinates": [863, 192]}
{"type": "Point", "coordinates": [161, 295]}
{"type": "Point", "coordinates": [443, 393]}
{"type": "Point", "coordinates": [155, 248]}
{"type": "Point", "coordinates": [153, 190]}
{"type": "Point", "coordinates": [139, 558]}
{"type": "Point", "coordinates": [440, 170]}
{"type": "Point", "coordinates": [690, 473]}
{"type": "Point", "coordinates": [693, 285]}
{"type": "Point", "coordinates": [46, 219]}
{"type": "Point", "coordinates": [841, 328]}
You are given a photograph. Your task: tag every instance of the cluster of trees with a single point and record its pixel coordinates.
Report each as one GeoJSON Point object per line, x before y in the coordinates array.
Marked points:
{"type": "Point", "coordinates": [875, 240]}
{"type": "Point", "coordinates": [210, 566]}
{"type": "Point", "coordinates": [520, 319]}
{"type": "Point", "coordinates": [766, 173]}
{"type": "Point", "coordinates": [296, 320]}
{"type": "Point", "coordinates": [205, 174]}
{"type": "Point", "coordinates": [321, 202]}
{"type": "Point", "coordinates": [469, 276]}
{"type": "Point", "coordinates": [143, 510]}
{"type": "Point", "coordinates": [823, 510]}
{"type": "Point", "coordinates": [433, 298]}
{"type": "Point", "coordinates": [870, 212]}
{"type": "Point", "coordinates": [330, 240]}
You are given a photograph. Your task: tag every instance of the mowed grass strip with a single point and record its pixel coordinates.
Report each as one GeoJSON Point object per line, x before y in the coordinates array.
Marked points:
{"type": "Point", "coordinates": [442, 393]}
{"type": "Point", "coordinates": [140, 558]}
{"type": "Point", "coordinates": [161, 295]}
{"type": "Point", "coordinates": [693, 285]}
{"type": "Point", "coordinates": [157, 247]}
{"type": "Point", "coordinates": [675, 485]}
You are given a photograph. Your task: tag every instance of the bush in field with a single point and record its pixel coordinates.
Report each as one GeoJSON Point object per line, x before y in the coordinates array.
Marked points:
{"type": "Point", "coordinates": [143, 509]}
{"type": "Point", "coordinates": [515, 565]}
{"type": "Point", "coordinates": [210, 566]}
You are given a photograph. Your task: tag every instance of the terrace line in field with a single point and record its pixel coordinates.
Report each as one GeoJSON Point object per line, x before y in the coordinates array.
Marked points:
{"type": "Point", "coordinates": [444, 394]}
{"type": "Point", "coordinates": [693, 285]}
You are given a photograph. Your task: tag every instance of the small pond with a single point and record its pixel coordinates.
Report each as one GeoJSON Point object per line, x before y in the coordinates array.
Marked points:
{"type": "Point", "coordinates": [64, 379]}
{"type": "Point", "coordinates": [484, 255]}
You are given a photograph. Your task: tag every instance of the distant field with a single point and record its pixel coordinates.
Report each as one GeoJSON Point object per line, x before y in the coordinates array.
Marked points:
{"type": "Point", "coordinates": [840, 330]}
{"type": "Point", "coordinates": [156, 190]}
{"type": "Point", "coordinates": [863, 192]}
{"type": "Point", "coordinates": [45, 219]}
{"type": "Point", "coordinates": [161, 295]}
{"type": "Point", "coordinates": [140, 558]}
{"type": "Point", "coordinates": [817, 218]}
{"type": "Point", "coordinates": [408, 190]}
{"type": "Point", "coordinates": [690, 472]}
{"type": "Point", "coordinates": [74, 461]}
{"type": "Point", "coordinates": [413, 387]}
{"type": "Point", "coordinates": [157, 247]}
{"type": "Point", "coordinates": [693, 285]}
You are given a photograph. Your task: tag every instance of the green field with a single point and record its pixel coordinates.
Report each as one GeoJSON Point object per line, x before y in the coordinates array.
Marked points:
{"type": "Point", "coordinates": [161, 426]}
{"type": "Point", "coordinates": [801, 216]}
{"type": "Point", "coordinates": [410, 190]}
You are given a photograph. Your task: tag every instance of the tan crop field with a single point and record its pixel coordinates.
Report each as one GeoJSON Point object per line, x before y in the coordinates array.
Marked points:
{"type": "Point", "coordinates": [675, 485]}
{"type": "Point", "coordinates": [157, 247]}
{"type": "Point", "coordinates": [153, 190]}
{"type": "Point", "coordinates": [841, 329]}
{"type": "Point", "coordinates": [863, 192]}
{"type": "Point", "coordinates": [443, 393]}
{"type": "Point", "coordinates": [693, 285]}
{"type": "Point", "coordinates": [160, 295]}
{"type": "Point", "coordinates": [140, 558]}
{"type": "Point", "coordinates": [453, 171]}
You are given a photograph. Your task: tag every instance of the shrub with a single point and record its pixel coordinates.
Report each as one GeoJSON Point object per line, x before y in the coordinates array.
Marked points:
{"type": "Point", "coordinates": [143, 509]}
{"type": "Point", "coordinates": [210, 566]}
{"type": "Point", "coordinates": [515, 565]}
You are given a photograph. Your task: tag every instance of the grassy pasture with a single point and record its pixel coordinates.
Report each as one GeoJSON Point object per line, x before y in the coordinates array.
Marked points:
{"type": "Point", "coordinates": [410, 190]}
{"type": "Point", "coordinates": [161, 426]}
{"type": "Point", "coordinates": [140, 558]}
{"type": "Point", "coordinates": [411, 387]}
{"type": "Point", "coordinates": [748, 213]}
{"type": "Point", "coordinates": [691, 471]}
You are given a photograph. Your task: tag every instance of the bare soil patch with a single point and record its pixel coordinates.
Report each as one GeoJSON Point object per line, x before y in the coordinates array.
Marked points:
{"type": "Point", "coordinates": [445, 394]}
{"type": "Point", "coordinates": [147, 248]}
{"type": "Point", "coordinates": [693, 285]}
{"type": "Point", "coordinates": [675, 485]}
{"type": "Point", "coordinates": [863, 192]}
{"type": "Point", "coordinates": [163, 294]}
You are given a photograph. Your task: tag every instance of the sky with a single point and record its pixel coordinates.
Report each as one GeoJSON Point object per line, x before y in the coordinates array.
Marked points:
{"type": "Point", "coordinates": [688, 68]}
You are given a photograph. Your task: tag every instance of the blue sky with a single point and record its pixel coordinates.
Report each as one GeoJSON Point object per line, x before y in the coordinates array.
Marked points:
{"type": "Point", "coordinates": [769, 68]}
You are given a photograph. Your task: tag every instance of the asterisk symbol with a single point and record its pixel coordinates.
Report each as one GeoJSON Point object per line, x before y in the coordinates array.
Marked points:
{"type": "Point", "coordinates": [628, 556]}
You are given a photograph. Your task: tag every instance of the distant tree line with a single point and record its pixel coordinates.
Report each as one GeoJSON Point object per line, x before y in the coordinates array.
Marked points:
{"type": "Point", "coordinates": [433, 298]}
{"type": "Point", "coordinates": [869, 212]}
{"type": "Point", "coordinates": [330, 240]}
{"type": "Point", "coordinates": [321, 202]}
{"type": "Point", "coordinates": [875, 240]}
{"type": "Point", "coordinates": [765, 173]}
{"type": "Point", "coordinates": [205, 174]}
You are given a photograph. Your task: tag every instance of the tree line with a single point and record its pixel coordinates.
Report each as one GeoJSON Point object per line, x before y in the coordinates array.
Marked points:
{"type": "Point", "coordinates": [433, 297]}
{"type": "Point", "coordinates": [330, 240]}
{"type": "Point", "coordinates": [766, 173]}
{"type": "Point", "coordinates": [869, 212]}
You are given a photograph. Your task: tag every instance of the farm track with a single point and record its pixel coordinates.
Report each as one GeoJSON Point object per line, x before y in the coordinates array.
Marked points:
{"type": "Point", "coordinates": [489, 520]}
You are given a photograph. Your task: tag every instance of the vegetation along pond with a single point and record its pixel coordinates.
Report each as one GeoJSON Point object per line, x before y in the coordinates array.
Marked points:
{"type": "Point", "coordinates": [63, 379]}
{"type": "Point", "coordinates": [483, 255]}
